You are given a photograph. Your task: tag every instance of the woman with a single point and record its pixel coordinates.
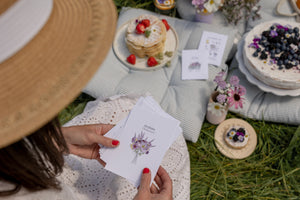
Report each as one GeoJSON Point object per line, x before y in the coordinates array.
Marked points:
{"type": "Point", "coordinates": [35, 161]}
{"type": "Point", "coordinates": [49, 51]}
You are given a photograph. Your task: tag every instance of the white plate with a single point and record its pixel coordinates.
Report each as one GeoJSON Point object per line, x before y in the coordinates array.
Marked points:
{"type": "Point", "coordinates": [258, 83]}
{"type": "Point", "coordinates": [121, 51]}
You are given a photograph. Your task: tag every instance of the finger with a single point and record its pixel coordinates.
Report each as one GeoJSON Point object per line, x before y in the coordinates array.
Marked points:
{"type": "Point", "coordinates": [101, 162]}
{"type": "Point", "coordinates": [105, 141]}
{"type": "Point", "coordinates": [145, 180]}
{"type": "Point", "coordinates": [154, 189]}
{"type": "Point", "coordinates": [95, 151]}
{"type": "Point", "coordinates": [166, 180]}
{"type": "Point", "coordinates": [84, 151]}
{"type": "Point", "coordinates": [158, 181]}
{"type": "Point", "coordinates": [102, 129]}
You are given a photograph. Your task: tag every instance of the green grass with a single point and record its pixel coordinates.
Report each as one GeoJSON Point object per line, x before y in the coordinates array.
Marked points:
{"type": "Point", "coordinates": [271, 172]}
{"type": "Point", "coordinates": [145, 4]}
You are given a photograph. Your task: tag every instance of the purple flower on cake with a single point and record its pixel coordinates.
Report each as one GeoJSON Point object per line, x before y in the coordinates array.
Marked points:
{"type": "Point", "coordinates": [254, 44]}
{"type": "Point", "coordinates": [272, 62]}
{"type": "Point", "coordinates": [241, 138]}
{"type": "Point", "coordinates": [240, 133]}
{"type": "Point", "coordinates": [273, 33]}
{"type": "Point", "coordinates": [278, 26]}
{"type": "Point", "coordinates": [229, 94]}
{"type": "Point", "coordinates": [256, 39]}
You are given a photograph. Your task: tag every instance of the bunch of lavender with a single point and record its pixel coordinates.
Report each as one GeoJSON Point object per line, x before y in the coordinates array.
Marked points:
{"type": "Point", "coordinates": [235, 10]}
{"type": "Point", "coordinates": [140, 145]}
{"type": "Point", "coordinates": [229, 94]}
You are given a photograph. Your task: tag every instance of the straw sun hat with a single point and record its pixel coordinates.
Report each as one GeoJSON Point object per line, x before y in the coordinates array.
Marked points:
{"type": "Point", "coordinates": [49, 49]}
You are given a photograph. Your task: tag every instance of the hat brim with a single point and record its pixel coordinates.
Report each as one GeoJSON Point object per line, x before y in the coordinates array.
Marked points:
{"type": "Point", "coordinates": [51, 70]}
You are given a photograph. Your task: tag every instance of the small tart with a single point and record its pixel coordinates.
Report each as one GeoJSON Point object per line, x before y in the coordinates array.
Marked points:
{"type": "Point", "coordinates": [236, 137]}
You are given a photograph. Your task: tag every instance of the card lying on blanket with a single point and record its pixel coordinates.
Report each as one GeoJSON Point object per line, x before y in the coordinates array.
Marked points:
{"type": "Point", "coordinates": [194, 64]}
{"type": "Point", "coordinates": [145, 136]}
{"type": "Point", "coordinates": [214, 44]}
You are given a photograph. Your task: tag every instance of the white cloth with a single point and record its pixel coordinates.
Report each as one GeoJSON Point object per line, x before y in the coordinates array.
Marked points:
{"type": "Point", "coordinates": [87, 179]}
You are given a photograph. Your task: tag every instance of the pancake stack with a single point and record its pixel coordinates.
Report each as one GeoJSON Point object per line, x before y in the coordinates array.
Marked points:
{"type": "Point", "coordinates": [143, 45]}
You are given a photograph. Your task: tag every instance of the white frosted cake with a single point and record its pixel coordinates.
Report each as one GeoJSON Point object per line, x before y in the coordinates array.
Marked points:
{"type": "Point", "coordinates": [147, 42]}
{"type": "Point", "coordinates": [272, 54]}
{"type": "Point", "coordinates": [236, 137]}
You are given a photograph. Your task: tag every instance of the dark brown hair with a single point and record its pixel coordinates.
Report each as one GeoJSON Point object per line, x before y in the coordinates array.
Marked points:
{"type": "Point", "coordinates": [34, 161]}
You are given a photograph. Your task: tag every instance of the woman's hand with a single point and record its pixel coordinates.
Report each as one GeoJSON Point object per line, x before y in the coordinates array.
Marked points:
{"type": "Point", "coordinates": [163, 181]}
{"type": "Point", "coordinates": [83, 140]}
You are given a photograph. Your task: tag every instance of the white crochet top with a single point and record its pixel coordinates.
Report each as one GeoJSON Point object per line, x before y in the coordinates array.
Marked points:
{"type": "Point", "coordinates": [87, 179]}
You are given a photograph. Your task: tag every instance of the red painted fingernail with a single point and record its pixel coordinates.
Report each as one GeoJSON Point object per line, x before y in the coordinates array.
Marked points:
{"type": "Point", "coordinates": [115, 142]}
{"type": "Point", "coordinates": [146, 170]}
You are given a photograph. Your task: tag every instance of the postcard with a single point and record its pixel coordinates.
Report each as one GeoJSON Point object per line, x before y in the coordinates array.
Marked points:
{"type": "Point", "coordinates": [194, 64]}
{"type": "Point", "coordinates": [145, 136]}
{"type": "Point", "coordinates": [214, 44]}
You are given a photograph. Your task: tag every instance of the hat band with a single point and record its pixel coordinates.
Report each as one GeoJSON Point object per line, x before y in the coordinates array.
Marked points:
{"type": "Point", "coordinates": [20, 23]}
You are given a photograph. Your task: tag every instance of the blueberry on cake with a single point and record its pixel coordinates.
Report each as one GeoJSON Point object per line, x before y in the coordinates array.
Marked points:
{"type": "Point", "coordinates": [146, 36]}
{"type": "Point", "coordinates": [236, 137]}
{"type": "Point", "coordinates": [272, 54]}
